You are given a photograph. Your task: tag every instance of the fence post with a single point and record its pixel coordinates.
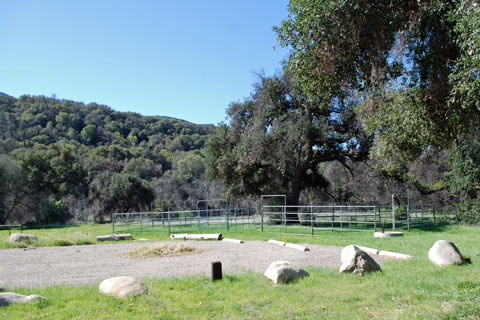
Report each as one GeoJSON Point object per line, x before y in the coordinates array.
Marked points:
{"type": "Point", "coordinates": [333, 217]}
{"type": "Point", "coordinates": [261, 212]}
{"type": "Point", "coordinates": [113, 224]}
{"type": "Point", "coordinates": [168, 221]}
{"type": "Point", "coordinates": [141, 222]}
{"type": "Point", "coordinates": [226, 218]}
{"type": "Point", "coordinates": [285, 219]}
{"type": "Point", "coordinates": [311, 219]}
{"type": "Point", "coordinates": [393, 216]}
{"type": "Point", "coordinates": [374, 219]}
{"type": "Point", "coordinates": [434, 220]}
{"type": "Point", "coordinates": [198, 217]}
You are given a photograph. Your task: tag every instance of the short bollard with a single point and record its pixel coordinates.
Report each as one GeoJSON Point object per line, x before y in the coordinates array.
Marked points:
{"type": "Point", "coordinates": [216, 271]}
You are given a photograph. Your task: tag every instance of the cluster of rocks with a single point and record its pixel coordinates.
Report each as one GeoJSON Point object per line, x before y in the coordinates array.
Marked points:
{"type": "Point", "coordinates": [357, 261]}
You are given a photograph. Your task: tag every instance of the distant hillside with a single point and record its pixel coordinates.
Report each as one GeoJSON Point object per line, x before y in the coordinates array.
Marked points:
{"type": "Point", "coordinates": [41, 120]}
{"type": "Point", "coordinates": [95, 160]}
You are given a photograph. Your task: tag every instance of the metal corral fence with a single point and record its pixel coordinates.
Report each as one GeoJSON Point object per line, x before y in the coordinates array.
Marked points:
{"type": "Point", "coordinates": [182, 220]}
{"type": "Point", "coordinates": [308, 219]}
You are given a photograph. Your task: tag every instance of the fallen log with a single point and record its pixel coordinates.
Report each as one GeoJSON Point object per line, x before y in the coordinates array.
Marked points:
{"type": "Point", "coordinates": [232, 240]}
{"type": "Point", "coordinates": [394, 255]}
{"type": "Point", "coordinates": [280, 243]}
{"type": "Point", "coordinates": [115, 237]}
{"type": "Point", "coordinates": [383, 253]}
{"type": "Point", "coordinates": [297, 247]}
{"type": "Point", "coordinates": [204, 236]}
{"type": "Point", "coordinates": [368, 250]}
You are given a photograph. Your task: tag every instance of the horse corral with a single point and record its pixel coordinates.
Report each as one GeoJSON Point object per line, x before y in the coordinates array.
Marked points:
{"type": "Point", "coordinates": [275, 215]}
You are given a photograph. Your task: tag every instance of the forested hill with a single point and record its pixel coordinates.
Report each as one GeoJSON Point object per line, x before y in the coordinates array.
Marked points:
{"type": "Point", "coordinates": [40, 120]}
{"type": "Point", "coordinates": [64, 160]}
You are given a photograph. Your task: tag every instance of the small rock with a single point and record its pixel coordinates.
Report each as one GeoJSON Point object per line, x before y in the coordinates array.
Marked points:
{"type": "Point", "coordinates": [357, 261]}
{"type": "Point", "coordinates": [445, 253]}
{"type": "Point", "coordinates": [22, 237]}
{"type": "Point", "coordinates": [284, 272]}
{"type": "Point", "coordinates": [122, 287]}
{"type": "Point", "coordinates": [7, 298]}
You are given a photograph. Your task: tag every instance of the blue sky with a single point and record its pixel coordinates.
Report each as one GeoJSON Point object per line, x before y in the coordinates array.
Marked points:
{"type": "Point", "coordinates": [185, 59]}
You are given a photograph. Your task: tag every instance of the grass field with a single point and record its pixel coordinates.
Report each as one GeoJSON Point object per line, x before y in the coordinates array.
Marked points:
{"type": "Point", "coordinates": [414, 289]}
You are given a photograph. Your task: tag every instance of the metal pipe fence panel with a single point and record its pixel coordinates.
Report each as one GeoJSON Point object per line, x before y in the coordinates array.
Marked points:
{"type": "Point", "coordinates": [182, 220]}
{"type": "Point", "coordinates": [313, 218]}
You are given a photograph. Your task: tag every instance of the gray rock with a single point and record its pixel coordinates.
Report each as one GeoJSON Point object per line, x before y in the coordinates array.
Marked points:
{"type": "Point", "coordinates": [284, 272]}
{"type": "Point", "coordinates": [445, 253]}
{"type": "Point", "coordinates": [122, 287]}
{"type": "Point", "coordinates": [357, 261]}
{"type": "Point", "coordinates": [22, 238]}
{"type": "Point", "coordinates": [7, 298]}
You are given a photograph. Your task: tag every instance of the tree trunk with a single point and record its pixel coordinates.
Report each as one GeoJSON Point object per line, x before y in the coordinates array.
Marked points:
{"type": "Point", "coordinates": [293, 197]}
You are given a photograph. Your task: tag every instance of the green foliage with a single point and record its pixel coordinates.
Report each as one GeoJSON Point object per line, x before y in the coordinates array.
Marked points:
{"type": "Point", "coordinates": [275, 140]}
{"type": "Point", "coordinates": [412, 67]}
{"type": "Point", "coordinates": [468, 212]}
{"type": "Point", "coordinates": [464, 173]}
{"type": "Point", "coordinates": [465, 78]}
{"type": "Point", "coordinates": [120, 192]}
{"type": "Point", "coordinates": [11, 177]}
{"type": "Point", "coordinates": [68, 151]}
{"type": "Point", "coordinates": [50, 211]}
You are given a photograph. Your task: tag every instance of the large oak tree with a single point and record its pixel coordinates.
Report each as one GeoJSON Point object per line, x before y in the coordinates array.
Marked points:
{"type": "Point", "coordinates": [274, 141]}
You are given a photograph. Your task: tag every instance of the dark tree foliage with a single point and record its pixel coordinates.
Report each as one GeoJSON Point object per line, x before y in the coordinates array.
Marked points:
{"type": "Point", "coordinates": [275, 140]}
{"type": "Point", "coordinates": [413, 68]}
{"type": "Point", "coordinates": [67, 161]}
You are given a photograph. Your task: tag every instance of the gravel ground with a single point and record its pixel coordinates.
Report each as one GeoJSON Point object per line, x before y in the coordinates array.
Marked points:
{"type": "Point", "coordinates": [76, 265]}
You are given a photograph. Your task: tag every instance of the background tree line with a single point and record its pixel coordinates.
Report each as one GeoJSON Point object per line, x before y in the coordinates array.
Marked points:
{"type": "Point", "coordinates": [62, 160]}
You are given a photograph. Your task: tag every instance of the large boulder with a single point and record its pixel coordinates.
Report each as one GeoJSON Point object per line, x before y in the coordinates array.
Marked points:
{"type": "Point", "coordinates": [7, 298]}
{"type": "Point", "coordinates": [445, 253]}
{"type": "Point", "coordinates": [122, 287]}
{"type": "Point", "coordinates": [357, 261]}
{"type": "Point", "coordinates": [22, 238]}
{"type": "Point", "coordinates": [284, 272]}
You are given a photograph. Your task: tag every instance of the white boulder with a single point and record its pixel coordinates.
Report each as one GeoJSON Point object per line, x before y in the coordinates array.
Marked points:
{"type": "Point", "coordinates": [22, 237]}
{"type": "Point", "coordinates": [284, 272]}
{"type": "Point", "coordinates": [7, 298]}
{"type": "Point", "coordinates": [445, 253]}
{"type": "Point", "coordinates": [357, 261]}
{"type": "Point", "coordinates": [122, 287]}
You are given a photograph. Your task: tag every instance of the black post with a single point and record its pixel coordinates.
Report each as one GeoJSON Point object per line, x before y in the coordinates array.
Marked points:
{"type": "Point", "coordinates": [216, 270]}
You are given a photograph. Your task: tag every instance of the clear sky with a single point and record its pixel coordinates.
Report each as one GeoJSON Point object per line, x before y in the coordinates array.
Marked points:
{"type": "Point", "coordinates": [181, 58]}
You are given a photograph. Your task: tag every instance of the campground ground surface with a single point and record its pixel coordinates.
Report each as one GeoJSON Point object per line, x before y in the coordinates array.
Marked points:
{"type": "Point", "coordinates": [77, 265]}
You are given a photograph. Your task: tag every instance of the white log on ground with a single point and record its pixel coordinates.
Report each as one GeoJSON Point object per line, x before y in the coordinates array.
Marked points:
{"type": "Point", "coordinates": [368, 250]}
{"type": "Point", "coordinates": [383, 253]}
{"type": "Point", "coordinates": [280, 243]}
{"type": "Point", "coordinates": [203, 236]}
{"type": "Point", "coordinates": [232, 240]}
{"type": "Point", "coordinates": [394, 255]}
{"type": "Point", "coordinates": [115, 237]}
{"type": "Point", "coordinates": [297, 247]}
